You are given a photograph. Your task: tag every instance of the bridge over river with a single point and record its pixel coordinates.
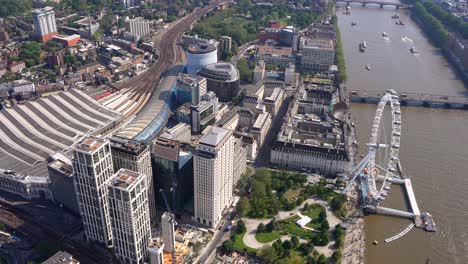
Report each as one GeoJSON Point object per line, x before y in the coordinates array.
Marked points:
{"type": "Point", "coordinates": [413, 99]}
{"type": "Point", "coordinates": [375, 2]}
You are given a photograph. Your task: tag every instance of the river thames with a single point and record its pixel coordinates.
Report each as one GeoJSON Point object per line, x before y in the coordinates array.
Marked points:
{"type": "Point", "coordinates": [434, 142]}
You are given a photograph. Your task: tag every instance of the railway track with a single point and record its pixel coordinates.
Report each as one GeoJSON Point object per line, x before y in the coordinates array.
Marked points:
{"type": "Point", "coordinates": [26, 224]}
{"type": "Point", "coordinates": [170, 53]}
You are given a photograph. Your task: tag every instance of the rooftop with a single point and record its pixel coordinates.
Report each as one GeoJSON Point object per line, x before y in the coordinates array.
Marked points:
{"type": "Point", "coordinates": [275, 51]}
{"type": "Point", "coordinates": [201, 48]}
{"type": "Point", "coordinates": [90, 144]}
{"type": "Point", "coordinates": [317, 43]}
{"type": "Point", "coordinates": [189, 80]}
{"type": "Point", "coordinates": [166, 148]}
{"type": "Point", "coordinates": [61, 257]}
{"type": "Point", "coordinates": [124, 179]}
{"type": "Point", "coordinates": [214, 136]}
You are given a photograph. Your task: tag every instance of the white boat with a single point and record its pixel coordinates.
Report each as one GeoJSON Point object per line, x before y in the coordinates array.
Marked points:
{"type": "Point", "coordinates": [384, 34]}
{"type": "Point", "coordinates": [368, 67]}
{"type": "Point", "coordinates": [413, 50]}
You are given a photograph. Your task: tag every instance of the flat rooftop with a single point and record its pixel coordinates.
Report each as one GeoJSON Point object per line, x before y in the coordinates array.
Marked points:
{"type": "Point", "coordinates": [317, 43]}
{"type": "Point", "coordinates": [124, 179]}
{"type": "Point", "coordinates": [214, 136]}
{"type": "Point", "coordinates": [275, 51]}
{"type": "Point", "coordinates": [90, 144]}
{"type": "Point", "coordinates": [201, 48]}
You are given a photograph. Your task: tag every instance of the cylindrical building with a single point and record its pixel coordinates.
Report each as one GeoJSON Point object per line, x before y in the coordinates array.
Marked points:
{"type": "Point", "coordinates": [199, 55]}
{"type": "Point", "coordinates": [223, 79]}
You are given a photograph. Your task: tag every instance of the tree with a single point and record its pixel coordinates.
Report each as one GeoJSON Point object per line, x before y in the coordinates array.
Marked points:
{"type": "Point", "coordinates": [260, 228]}
{"type": "Point", "coordinates": [244, 71]}
{"type": "Point", "coordinates": [287, 245]}
{"type": "Point", "coordinates": [241, 227]}
{"type": "Point", "coordinates": [242, 206]}
{"type": "Point", "coordinates": [322, 259]}
{"type": "Point", "coordinates": [31, 53]}
{"type": "Point", "coordinates": [322, 216]}
{"type": "Point", "coordinates": [295, 241]}
{"type": "Point", "coordinates": [270, 226]}
{"type": "Point", "coordinates": [268, 254]}
{"type": "Point", "coordinates": [228, 247]}
{"type": "Point", "coordinates": [336, 257]}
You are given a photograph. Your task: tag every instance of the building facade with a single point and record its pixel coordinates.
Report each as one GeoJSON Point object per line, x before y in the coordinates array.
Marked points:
{"type": "Point", "coordinates": [129, 211]}
{"type": "Point", "coordinates": [28, 187]}
{"type": "Point", "coordinates": [226, 44]}
{"type": "Point", "coordinates": [134, 156]}
{"type": "Point", "coordinates": [316, 54]}
{"type": "Point", "coordinates": [190, 88]}
{"type": "Point", "coordinates": [200, 54]}
{"type": "Point", "coordinates": [138, 26]}
{"type": "Point", "coordinates": [213, 175]}
{"type": "Point", "coordinates": [168, 231]}
{"type": "Point", "coordinates": [45, 27]}
{"type": "Point", "coordinates": [92, 167]}
{"type": "Point", "coordinates": [222, 79]}
{"type": "Point", "coordinates": [156, 251]}
{"type": "Point", "coordinates": [204, 114]}
{"type": "Point", "coordinates": [62, 184]}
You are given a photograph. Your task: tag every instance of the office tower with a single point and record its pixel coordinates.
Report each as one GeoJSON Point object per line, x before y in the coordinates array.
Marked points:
{"type": "Point", "coordinates": [92, 166]}
{"type": "Point", "coordinates": [45, 27]}
{"type": "Point", "coordinates": [135, 156]}
{"type": "Point", "coordinates": [172, 166]}
{"type": "Point", "coordinates": [190, 88]}
{"type": "Point", "coordinates": [213, 175]}
{"type": "Point", "coordinates": [200, 54]}
{"type": "Point", "coordinates": [226, 44]}
{"type": "Point", "coordinates": [259, 71]}
{"type": "Point", "coordinates": [168, 232]}
{"type": "Point", "coordinates": [223, 79]}
{"type": "Point", "coordinates": [129, 211]}
{"type": "Point", "coordinates": [156, 252]}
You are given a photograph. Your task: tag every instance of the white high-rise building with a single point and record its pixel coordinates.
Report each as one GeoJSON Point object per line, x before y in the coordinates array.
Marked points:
{"type": "Point", "coordinates": [92, 166]}
{"type": "Point", "coordinates": [129, 210]}
{"type": "Point", "coordinates": [138, 26]}
{"type": "Point", "coordinates": [134, 156]}
{"type": "Point", "coordinates": [45, 27]}
{"type": "Point", "coordinates": [168, 231]}
{"type": "Point", "coordinates": [213, 175]}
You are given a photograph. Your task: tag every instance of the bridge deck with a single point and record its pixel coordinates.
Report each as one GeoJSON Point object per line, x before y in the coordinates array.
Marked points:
{"type": "Point", "coordinates": [413, 99]}
{"type": "Point", "coordinates": [411, 197]}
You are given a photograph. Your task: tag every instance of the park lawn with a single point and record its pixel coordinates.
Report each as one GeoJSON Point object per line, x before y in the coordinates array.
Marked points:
{"type": "Point", "coordinates": [314, 211]}
{"type": "Point", "coordinates": [289, 226]}
{"type": "Point", "coordinates": [240, 246]}
{"type": "Point", "coordinates": [267, 237]}
{"type": "Point", "coordinates": [292, 194]}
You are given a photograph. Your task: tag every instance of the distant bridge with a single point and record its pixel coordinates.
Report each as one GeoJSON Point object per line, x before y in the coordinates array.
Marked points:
{"type": "Point", "coordinates": [413, 99]}
{"type": "Point", "coordinates": [375, 2]}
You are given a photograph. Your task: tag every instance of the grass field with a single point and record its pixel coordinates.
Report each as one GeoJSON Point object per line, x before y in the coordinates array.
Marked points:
{"type": "Point", "coordinates": [292, 194]}
{"type": "Point", "coordinates": [267, 237]}
{"type": "Point", "coordinates": [289, 226]}
{"type": "Point", "coordinates": [240, 246]}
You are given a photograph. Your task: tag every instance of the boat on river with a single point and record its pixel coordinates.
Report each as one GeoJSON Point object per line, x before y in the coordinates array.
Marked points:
{"type": "Point", "coordinates": [384, 34]}
{"type": "Point", "coordinates": [399, 22]}
{"type": "Point", "coordinates": [413, 50]}
{"type": "Point", "coordinates": [368, 67]}
{"type": "Point", "coordinates": [395, 16]}
{"type": "Point", "coordinates": [353, 23]}
{"type": "Point", "coordinates": [362, 46]}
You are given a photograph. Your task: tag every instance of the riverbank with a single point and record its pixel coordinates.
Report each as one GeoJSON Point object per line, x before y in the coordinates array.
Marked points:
{"type": "Point", "coordinates": [439, 34]}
